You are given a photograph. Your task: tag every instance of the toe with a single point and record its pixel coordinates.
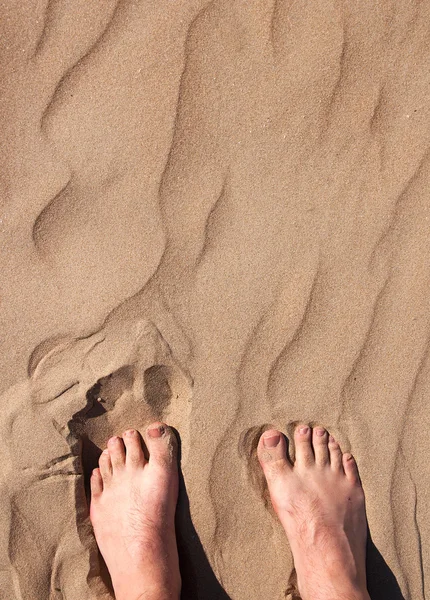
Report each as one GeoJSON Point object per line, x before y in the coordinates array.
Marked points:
{"type": "Point", "coordinates": [351, 469]}
{"type": "Point", "coordinates": [302, 440]}
{"type": "Point", "coordinates": [117, 453]}
{"type": "Point", "coordinates": [96, 483]}
{"type": "Point", "coordinates": [134, 456]}
{"type": "Point", "coordinates": [277, 468]}
{"type": "Point", "coordinates": [105, 465]}
{"type": "Point", "coordinates": [319, 441]}
{"type": "Point", "coordinates": [335, 454]}
{"type": "Point", "coordinates": [272, 454]}
{"type": "Point", "coordinates": [162, 444]}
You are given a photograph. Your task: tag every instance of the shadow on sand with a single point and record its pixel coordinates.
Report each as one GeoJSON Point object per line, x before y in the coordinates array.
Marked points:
{"type": "Point", "coordinates": [200, 583]}
{"type": "Point", "coordinates": [381, 581]}
{"type": "Point", "coordinates": [198, 579]}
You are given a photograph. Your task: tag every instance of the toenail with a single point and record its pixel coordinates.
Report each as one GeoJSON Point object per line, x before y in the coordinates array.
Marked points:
{"type": "Point", "coordinates": [331, 439]}
{"type": "Point", "coordinates": [156, 432]}
{"type": "Point", "coordinates": [303, 430]}
{"type": "Point", "coordinates": [320, 431]}
{"type": "Point", "coordinates": [129, 432]}
{"type": "Point", "coordinates": [271, 441]}
{"type": "Point", "coordinates": [105, 451]}
{"type": "Point", "coordinates": [349, 457]}
{"type": "Point", "coordinates": [113, 439]}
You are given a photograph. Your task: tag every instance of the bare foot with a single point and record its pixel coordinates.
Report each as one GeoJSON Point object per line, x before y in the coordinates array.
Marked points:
{"type": "Point", "coordinates": [133, 503]}
{"type": "Point", "coordinates": [320, 503]}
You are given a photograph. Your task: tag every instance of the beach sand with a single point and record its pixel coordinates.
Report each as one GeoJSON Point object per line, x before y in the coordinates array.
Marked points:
{"type": "Point", "coordinates": [216, 214]}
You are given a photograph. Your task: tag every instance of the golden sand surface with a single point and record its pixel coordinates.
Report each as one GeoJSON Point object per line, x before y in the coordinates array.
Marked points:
{"type": "Point", "coordinates": [216, 213]}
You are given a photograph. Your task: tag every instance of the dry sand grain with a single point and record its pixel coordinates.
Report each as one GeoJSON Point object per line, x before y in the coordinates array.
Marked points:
{"type": "Point", "coordinates": [216, 213]}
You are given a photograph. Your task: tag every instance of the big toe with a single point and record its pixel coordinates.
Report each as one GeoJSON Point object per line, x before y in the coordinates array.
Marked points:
{"type": "Point", "coordinates": [272, 454]}
{"type": "Point", "coordinates": [162, 445]}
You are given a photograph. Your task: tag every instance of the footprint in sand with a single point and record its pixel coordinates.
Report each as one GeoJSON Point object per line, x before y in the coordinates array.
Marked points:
{"type": "Point", "coordinates": [79, 393]}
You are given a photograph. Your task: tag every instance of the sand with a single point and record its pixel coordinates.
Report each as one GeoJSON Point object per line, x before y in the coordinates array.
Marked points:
{"type": "Point", "coordinates": [218, 214]}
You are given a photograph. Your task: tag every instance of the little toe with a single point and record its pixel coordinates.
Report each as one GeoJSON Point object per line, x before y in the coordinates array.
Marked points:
{"type": "Point", "coordinates": [319, 441]}
{"type": "Point", "coordinates": [134, 456]}
{"type": "Point", "coordinates": [117, 453]}
{"type": "Point", "coordinates": [335, 454]}
{"type": "Point", "coordinates": [162, 445]}
{"type": "Point", "coordinates": [351, 469]}
{"type": "Point", "coordinates": [272, 454]}
{"type": "Point", "coordinates": [96, 483]}
{"type": "Point", "coordinates": [302, 440]}
{"type": "Point", "coordinates": [105, 465]}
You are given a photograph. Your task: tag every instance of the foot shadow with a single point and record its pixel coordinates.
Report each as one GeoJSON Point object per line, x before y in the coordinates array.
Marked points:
{"type": "Point", "coordinates": [198, 579]}
{"type": "Point", "coordinates": [381, 581]}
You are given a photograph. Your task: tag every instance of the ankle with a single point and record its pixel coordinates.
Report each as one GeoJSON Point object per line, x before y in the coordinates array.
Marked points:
{"type": "Point", "coordinates": [158, 595]}
{"type": "Point", "coordinates": [148, 591]}
{"type": "Point", "coordinates": [152, 594]}
{"type": "Point", "coordinates": [332, 585]}
{"type": "Point", "coordinates": [353, 595]}
{"type": "Point", "coordinates": [325, 592]}
{"type": "Point", "coordinates": [339, 578]}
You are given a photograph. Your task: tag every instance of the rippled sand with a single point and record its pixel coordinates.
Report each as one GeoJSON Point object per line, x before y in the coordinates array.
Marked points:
{"type": "Point", "coordinates": [218, 214]}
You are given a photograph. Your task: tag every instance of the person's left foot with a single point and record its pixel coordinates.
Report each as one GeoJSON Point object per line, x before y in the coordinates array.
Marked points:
{"type": "Point", "coordinates": [133, 503]}
{"type": "Point", "coordinates": [320, 503]}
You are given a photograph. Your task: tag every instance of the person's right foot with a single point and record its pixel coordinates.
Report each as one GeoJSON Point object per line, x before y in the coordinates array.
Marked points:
{"type": "Point", "coordinates": [133, 503]}
{"type": "Point", "coordinates": [320, 503]}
